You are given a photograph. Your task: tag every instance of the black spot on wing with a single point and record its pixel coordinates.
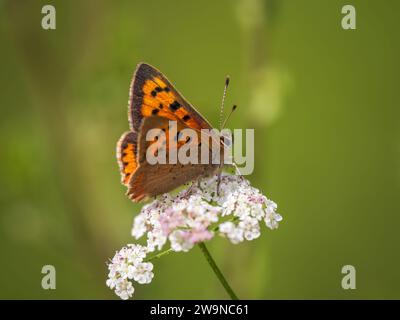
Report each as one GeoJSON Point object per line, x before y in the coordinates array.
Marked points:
{"type": "Point", "coordinates": [174, 106]}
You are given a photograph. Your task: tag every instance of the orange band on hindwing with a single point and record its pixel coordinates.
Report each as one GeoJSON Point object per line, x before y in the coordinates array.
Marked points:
{"type": "Point", "coordinates": [126, 155]}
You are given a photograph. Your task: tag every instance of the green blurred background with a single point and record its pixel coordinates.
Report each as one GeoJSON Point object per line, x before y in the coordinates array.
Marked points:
{"type": "Point", "coordinates": [323, 101]}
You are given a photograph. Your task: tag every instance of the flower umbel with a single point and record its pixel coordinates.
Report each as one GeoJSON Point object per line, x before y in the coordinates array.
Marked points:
{"type": "Point", "coordinates": [198, 214]}
{"type": "Point", "coordinates": [232, 209]}
{"type": "Point", "coordinates": [128, 265]}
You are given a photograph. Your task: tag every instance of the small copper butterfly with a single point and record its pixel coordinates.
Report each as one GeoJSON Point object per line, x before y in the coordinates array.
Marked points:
{"type": "Point", "coordinates": [153, 103]}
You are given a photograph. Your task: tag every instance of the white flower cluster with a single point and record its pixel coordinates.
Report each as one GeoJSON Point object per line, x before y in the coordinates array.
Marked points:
{"type": "Point", "coordinates": [127, 266]}
{"type": "Point", "coordinates": [194, 215]}
{"type": "Point", "coordinates": [199, 212]}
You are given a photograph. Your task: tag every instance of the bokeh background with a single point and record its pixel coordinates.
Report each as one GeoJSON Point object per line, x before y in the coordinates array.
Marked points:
{"type": "Point", "coordinates": [324, 103]}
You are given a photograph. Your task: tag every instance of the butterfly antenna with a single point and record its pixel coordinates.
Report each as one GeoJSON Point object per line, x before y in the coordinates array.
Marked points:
{"type": "Point", "coordinates": [223, 101]}
{"type": "Point", "coordinates": [229, 115]}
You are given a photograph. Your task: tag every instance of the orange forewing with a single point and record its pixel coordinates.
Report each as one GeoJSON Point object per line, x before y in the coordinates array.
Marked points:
{"type": "Point", "coordinates": [152, 94]}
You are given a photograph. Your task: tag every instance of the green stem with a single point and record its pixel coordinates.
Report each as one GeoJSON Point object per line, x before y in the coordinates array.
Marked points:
{"type": "Point", "coordinates": [157, 256]}
{"type": "Point", "coordinates": [217, 272]}
{"type": "Point", "coordinates": [210, 261]}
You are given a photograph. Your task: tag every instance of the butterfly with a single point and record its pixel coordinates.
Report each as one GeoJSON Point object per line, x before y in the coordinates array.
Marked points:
{"type": "Point", "coordinates": [153, 103]}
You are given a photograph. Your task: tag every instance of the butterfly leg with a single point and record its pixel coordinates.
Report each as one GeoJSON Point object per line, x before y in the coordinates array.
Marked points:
{"type": "Point", "coordinates": [219, 180]}
{"type": "Point", "coordinates": [190, 189]}
{"type": "Point", "coordinates": [218, 183]}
